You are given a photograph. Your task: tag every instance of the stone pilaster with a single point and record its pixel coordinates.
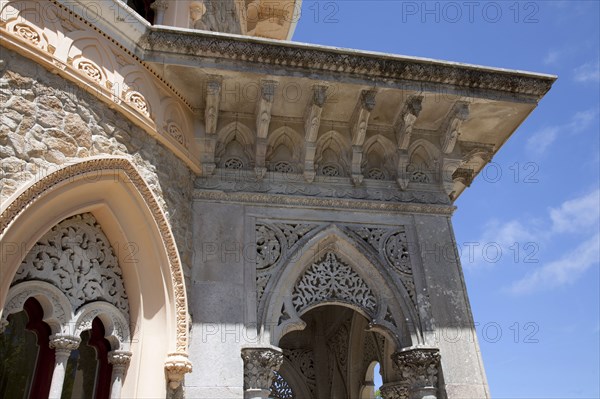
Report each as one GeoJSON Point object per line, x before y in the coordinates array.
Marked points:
{"type": "Point", "coordinates": [120, 363]}
{"type": "Point", "coordinates": [394, 390]}
{"type": "Point", "coordinates": [62, 345]}
{"type": "Point", "coordinates": [419, 370]}
{"type": "Point", "coordinates": [259, 367]}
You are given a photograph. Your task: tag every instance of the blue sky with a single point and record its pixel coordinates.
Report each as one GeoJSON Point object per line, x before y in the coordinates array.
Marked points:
{"type": "Point", "coordinates": [542, 292]}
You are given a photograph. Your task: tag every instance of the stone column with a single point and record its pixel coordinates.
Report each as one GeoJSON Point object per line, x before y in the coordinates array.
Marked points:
{"type": "Point", "coordinates": [394, 390]}
{"type": "Point", "coordinates": [159, 7]}
{"type": "Point", "coordinates": [176, 367]}
{"type": "Point", "coordinates": [62, 345]}
{"type": "Point", "coordinates": [419, 370]}
{"type": "Point", "coordinates": [120, 362]}
{"type": "Point", "coordinates": [259, 367]}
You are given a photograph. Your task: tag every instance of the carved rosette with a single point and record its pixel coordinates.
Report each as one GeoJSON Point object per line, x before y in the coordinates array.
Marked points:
{"type": "Point", "coordinates": [176, 366]}
{"type": "Point", "coordinates": [396, 390]}
{"type": "Point", "coordinates": [260, 365]}
{"type": "Point", "coordinates": [419, 370]}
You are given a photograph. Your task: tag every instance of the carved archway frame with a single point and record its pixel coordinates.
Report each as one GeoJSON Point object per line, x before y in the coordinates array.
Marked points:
{"type": "Point", "coordinates": [391, 299]}
{"type": "Point", "coordinates": [112, 190]}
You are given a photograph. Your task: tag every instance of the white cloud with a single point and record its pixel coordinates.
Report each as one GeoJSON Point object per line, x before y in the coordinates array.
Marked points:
{"type": "Point", "coordinates": [577, 217]}
{"type": "Point", "coordinates": [539, 142]}
{"type": "Point", "coordinates": [577, 214]}
{"type": "Point", "coordinates": [562, 271]}
{"type": "Point", "coordinates": [588, 72]}
{"type": "Point", "coordinates": [552, 57]}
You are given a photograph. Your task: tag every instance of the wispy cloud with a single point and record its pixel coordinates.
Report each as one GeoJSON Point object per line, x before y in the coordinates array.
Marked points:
{"type": "Point", "coordinates": [552, 57]}
{"type": "Point", "coordinates": [588, 72]}
{"type": "Point", "coordinates": [577, 214]}
{"type": "Point", "coordinates": [563, 271]}
{"type": "Point", "coordinates": [577, 217]}
{"type": "Point", "coordinates": [539, 142]}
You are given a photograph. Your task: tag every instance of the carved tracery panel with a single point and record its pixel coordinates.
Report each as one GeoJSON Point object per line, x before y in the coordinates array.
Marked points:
{"type": "Point", "coordinates": [76, 257]}
{"type": "Point", "coordinates": [332, 280]}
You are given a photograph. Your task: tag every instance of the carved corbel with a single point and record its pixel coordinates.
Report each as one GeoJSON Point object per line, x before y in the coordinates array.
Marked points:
{"type": "Point", "coordinates": [260, 363]}
{"type": "Point", "coordinates": [403, 162]}
{"type": "Point", "coordinates": [359, 124]}
{"type": "Point", "coordinates": [312, 123]}
{"type": "Point", "coordinates": [176, 367]}
{"type": "Point", "coordinates": [472, 150]}
{"type": "Point", "coordinates": [451, 131]}
{"type": "Point", "coordinates": [419, 370]}
{"type": "Point", "coordinates": [406, 119]}
{"type": "Point", "coordinates": [263, 120]}
{"type": "Point", "coordinates": [211, 117]}
{"type": "Point", "coordinates": [449, 166]}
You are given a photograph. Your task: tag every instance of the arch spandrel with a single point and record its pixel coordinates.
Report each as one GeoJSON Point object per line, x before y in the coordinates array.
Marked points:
{"type": "Point", "coordinates": [112, 190]}
{"type": "Point", "coordinates": [377, 299]}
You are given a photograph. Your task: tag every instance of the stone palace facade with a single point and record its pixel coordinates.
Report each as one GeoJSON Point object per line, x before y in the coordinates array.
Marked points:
{"type": "Point", "coordinates": [197, 207]}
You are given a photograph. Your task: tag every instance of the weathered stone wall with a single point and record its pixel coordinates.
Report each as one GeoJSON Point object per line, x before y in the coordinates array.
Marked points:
{"type": "Point", "coordinates": [46, 122]}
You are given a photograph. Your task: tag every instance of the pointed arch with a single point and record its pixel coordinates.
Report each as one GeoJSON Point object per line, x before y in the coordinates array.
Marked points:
{"type": "Point", "coordinates": [281, 313]}
{"type": "Point", "coordinates": [422, 161]}
{"type": "Point", "coordinates": [112, 190]}
{"type": "Point", "coordinates": [379, 157]}
{"type": "Point", "coordinates": [332, 150]}
{"type": "Point", "coordinates": [287, 137]}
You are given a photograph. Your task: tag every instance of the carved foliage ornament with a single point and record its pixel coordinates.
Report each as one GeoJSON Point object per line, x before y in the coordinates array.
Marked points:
{"type": "Point", "coordinates": [259, 367]}
{"type": "Point", "coordinates": [392, 247]}
{"type": "Point", "coordinates": [76, 257]}
{"type": "Point", "coordinates": [332, 280]}
{"type": "Point", "coordinates": [27, 33]}
{"type": "Point", "coordinates": [419, 367]}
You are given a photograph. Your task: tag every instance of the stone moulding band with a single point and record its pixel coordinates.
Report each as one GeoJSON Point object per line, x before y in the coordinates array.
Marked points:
{"type": "Point", "coordinates": [328, 203]}
{"type": "Point", "coordinates": [24, 198]}
{"type": "Point", "coordinates": [205, 45]}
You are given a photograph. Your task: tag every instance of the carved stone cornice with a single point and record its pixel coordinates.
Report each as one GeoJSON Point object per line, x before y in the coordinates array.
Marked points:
{"type": "Point", "coordinates": [259, 367]}
{"type": "Point", "coordinates": [157, 41]}
{"type": "Point", "coordinates": [418, 367]}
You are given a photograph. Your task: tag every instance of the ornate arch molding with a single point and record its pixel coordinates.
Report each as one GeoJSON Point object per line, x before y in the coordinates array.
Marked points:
{"type": "Point", "coordinates": [57, 308]}
{"type": "Point", "coordinates": [330, 269]}
{"type": "Point", "coordinates": [123, 172]}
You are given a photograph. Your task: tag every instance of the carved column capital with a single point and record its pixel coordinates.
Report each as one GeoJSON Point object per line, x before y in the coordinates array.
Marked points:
{"type": "Point", "coordinates": [259, 366]}
{"type": "Point", "coordinates": [176, 366]}
{"type": "Point", "coordinates": [394, 390]}
{"type": "Point", "coordinates": [119, 359]}
{"type": "Point", "coordinates": [419, 369]}
{"type": "Point", "coordinates": [64, 344]}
